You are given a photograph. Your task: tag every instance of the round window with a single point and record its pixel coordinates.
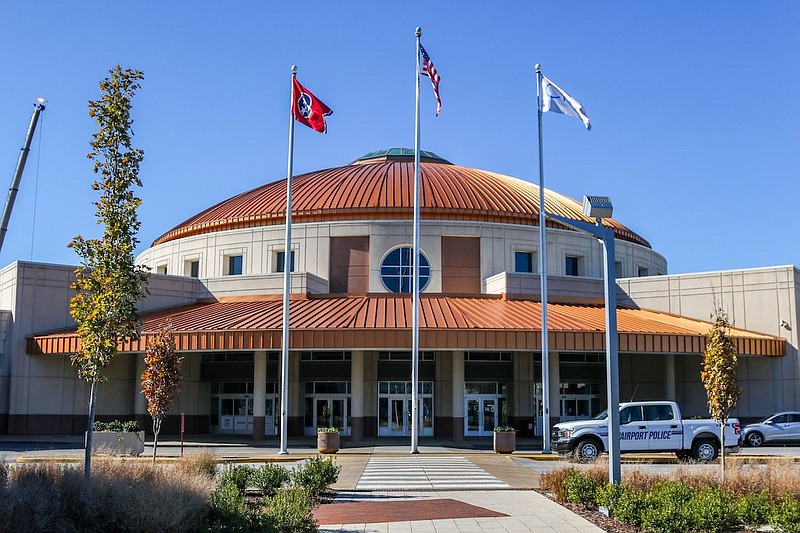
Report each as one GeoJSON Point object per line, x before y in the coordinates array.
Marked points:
{"type": "Point", "coordinates": [397, 270]}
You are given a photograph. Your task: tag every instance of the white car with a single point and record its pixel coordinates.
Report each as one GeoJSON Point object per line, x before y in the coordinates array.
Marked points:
{"type": "Point", "coordinates": [778, 428]}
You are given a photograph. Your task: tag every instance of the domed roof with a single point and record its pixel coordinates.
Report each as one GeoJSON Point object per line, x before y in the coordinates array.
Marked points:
{"type": "Point", "coordinates": [380, 186]}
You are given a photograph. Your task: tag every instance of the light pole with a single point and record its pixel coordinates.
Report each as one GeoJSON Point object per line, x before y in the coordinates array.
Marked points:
{"type": "Point", "coordinates": [598, 208]}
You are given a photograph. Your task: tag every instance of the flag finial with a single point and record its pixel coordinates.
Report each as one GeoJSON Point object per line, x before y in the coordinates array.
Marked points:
{"type": "Point", "coordinates": [418, 32]}
{"type": "Point", "coordinates": [294, 69]}
{"type": "Point", "coordinates": [538, 67]}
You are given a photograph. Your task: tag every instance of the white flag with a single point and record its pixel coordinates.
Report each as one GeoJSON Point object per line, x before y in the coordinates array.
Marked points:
{"type": "Point", "coordinates": [555, 99]}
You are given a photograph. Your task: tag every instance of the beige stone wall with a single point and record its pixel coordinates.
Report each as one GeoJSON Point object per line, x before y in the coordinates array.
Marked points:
{"type": "Point", "coordinates": [758, 300]}
{"type": "Point", "coordinates": [311, 243]}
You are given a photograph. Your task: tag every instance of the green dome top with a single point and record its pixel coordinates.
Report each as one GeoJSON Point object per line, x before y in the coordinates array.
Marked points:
{"type": "Point", "coordinates": [399, 154]}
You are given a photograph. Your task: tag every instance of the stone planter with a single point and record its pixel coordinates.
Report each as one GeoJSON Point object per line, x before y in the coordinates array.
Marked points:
{"type": "Point", "coordinates": [328, 442]}
{"type": "Point", "coordinates": [505, 441]}
{"type": "Point", "coordinates": [123, 443]}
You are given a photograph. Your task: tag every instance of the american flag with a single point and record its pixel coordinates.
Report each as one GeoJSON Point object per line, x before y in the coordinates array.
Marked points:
{"type": "Point", "coordinates": [429, 70]}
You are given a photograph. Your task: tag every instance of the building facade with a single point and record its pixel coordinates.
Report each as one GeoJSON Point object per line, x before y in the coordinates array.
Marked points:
{"type": "Point", "coordinates": [218, 279]}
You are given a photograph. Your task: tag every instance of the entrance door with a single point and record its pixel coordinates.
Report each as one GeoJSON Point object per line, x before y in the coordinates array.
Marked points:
{"type": "Point", "coordinates": [338, 413]}
{"type": "Point", "coordinates": [243, 416]}
{"type": "Point", "coordinates": [480, 418]}
{"type": "Point", "coordinates": [394, 416]}
{"type": "Point", "coordinates": [270, 421]}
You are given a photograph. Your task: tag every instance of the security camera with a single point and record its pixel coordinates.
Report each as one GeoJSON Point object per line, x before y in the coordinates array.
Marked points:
{"type": "Point", "coordinates": [785, 325]}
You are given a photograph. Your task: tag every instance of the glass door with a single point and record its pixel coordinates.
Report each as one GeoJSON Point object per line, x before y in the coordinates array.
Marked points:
{"type": "Point", "coordinates": [337, 408]}
{"type": "Point", "coordinates": [394, 409]}
{"type": "Point", "coordinates": [480, 417]}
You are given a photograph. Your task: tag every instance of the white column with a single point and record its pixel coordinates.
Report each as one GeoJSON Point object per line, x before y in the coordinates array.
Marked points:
{"type": "Point", "coordinates": [139, 402]}
{"type": "Point", "coordinates": [458, 395]}
{"type": "Point", "coordinates": [555, 382]}
{"type": "Point", "coordinates": [669, 377]}
{"type": "Point", "coordinates": [259, 393]}
{"type": "Point", "coordinates": [357, 395]}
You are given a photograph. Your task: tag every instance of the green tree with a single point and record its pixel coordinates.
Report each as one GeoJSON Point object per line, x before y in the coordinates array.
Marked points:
{"type": "Point", "coordinates": [108, 284]}
{"type": "Point", "coordinates": [719, 374]}
{"type": "Point", "coordinates": [161, 379]}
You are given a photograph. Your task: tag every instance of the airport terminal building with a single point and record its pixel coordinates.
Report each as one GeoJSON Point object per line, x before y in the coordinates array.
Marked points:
{"type": "Point", "coordinates": [218, 279]}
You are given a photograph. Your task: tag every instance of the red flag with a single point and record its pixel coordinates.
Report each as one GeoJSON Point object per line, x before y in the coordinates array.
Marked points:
{"type": "Point", "coordinates": [308, 109]}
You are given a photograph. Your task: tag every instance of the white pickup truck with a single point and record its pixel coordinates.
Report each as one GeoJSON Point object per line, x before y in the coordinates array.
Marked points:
{"type": "Point", "coordinates": [646, 426]}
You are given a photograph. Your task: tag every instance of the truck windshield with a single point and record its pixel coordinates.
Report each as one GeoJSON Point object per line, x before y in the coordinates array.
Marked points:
{"type": "Point", "coordinates": [602, 416]}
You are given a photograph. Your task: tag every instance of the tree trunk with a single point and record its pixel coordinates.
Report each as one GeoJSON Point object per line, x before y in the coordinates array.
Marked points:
{"type": "Point", "coordinates": [156, 431]}
{"type": "Point", "coordinates": [87, 459]}
{"type": "Point", "coordinates": [722, 447]}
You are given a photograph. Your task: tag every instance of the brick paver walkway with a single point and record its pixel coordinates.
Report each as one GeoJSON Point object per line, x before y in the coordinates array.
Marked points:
{"type": "Point", "coordinates": [398, 511]}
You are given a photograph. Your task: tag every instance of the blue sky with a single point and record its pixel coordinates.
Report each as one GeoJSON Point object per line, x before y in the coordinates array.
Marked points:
{"type": "Point", "coordinates": [694, 107]}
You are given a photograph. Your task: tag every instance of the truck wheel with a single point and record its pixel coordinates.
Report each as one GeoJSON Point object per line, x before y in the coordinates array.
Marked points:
{"type": "Point", "coordinates": [755, 439]}
{"type": "Point", "coordinates": [587, 451]}
{"type": "Point", "coordinates": [705, 450]}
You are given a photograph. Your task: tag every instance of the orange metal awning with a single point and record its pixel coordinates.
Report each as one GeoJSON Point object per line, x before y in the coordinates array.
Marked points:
{"type": "Point", "coordinates": [383, 322]}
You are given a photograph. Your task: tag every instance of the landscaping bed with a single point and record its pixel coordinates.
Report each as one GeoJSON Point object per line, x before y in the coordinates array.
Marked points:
{"type": "Point", "coordinates": [751, 497]}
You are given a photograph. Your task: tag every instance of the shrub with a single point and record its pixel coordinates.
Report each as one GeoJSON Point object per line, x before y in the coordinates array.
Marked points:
{"type": "Point", "coordinates": [712, 509]}
{"type": "Point", "coordinates": [665, 511]}
{"type": "Point", "coordinates": [609, 495]}
{"type": "Point", "coordinates": [785, 516]}
{"type": "Point", "coordinates": [580, 488]}
{"type": "Point", "coordinates": [123, 496]}
{"type": "Point", "coordinates": [316, 475]}
{"type": "Point", "coordinates": [753, 509]}
{"type": "Point", "coordinates": [290, 511]}
{"type": "Point", "coordinates": [117, 426]}
{"type": "Point", "coordinates": [269, 478]}
{"type": "Point", "coordinates": [239, 475]}
{"type": "Point", "coordinates": [630, 506]}
{"type": "Point", "coordinates": [555, 481]}
{"type": "Point", "coordinates": [203, 463]}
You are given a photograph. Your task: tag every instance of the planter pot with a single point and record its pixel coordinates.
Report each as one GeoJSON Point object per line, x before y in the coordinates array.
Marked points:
{"type": "Point", "coordinates": [327, 442]}
{"type": "Point", "coordinates": [505, 441]}
{"type": "Point", "coordinates": [123, 443]}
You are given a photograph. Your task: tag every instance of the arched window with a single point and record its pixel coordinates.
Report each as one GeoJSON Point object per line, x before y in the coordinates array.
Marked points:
{"type": "Point", "coordinates": [397, 270]}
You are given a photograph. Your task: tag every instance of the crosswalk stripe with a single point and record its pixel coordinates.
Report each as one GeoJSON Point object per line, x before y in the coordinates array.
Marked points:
{"type": "Point", "coordinates": [421, 473]}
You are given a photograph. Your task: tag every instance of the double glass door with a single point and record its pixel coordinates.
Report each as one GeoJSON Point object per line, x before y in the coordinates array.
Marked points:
{"type": "Point", "coordinates": [235, 414]}
{"type": "Point", "coordinates": [394, 416]}
{"type": "Point", "coordinates": [480, 418]}
{"type": "Point", "coordinates": [332, 411]}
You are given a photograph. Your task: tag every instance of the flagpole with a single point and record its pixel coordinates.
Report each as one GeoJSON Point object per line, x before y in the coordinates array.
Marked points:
{"type": "Point", "coordinates": [543, 277]}
{"type": "Point", "coordinates": [287, 265]}
{"type": "Point", "coordinates": [415, 281]}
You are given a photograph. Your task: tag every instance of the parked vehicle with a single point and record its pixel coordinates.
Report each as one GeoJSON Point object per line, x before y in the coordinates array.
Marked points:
{"type": "Point", "coordinates": [646, 426]}
{"type": "Point", "coordinates": [778, 428]}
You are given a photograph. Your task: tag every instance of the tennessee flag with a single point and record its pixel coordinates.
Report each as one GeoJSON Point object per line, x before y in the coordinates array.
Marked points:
{"type": "Point", "coordinates": [308, 109]}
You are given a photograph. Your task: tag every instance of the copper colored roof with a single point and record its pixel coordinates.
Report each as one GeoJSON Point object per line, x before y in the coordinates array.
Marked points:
{"type": "Point", "coordinates": [381, 187]}
{"type": "Point", "coordinates": [384, 322]}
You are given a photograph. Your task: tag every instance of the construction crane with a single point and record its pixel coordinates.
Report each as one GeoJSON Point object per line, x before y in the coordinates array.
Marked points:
{"type": "Point", "coordinates": [38, 107]}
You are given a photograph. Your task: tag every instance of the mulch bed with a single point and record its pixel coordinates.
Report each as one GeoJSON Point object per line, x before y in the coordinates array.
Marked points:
{"type": "Point", "coordinates": [398, 511]}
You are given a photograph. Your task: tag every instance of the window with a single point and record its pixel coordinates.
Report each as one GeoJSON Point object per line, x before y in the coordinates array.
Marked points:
{"type": "Point", "coordinates": [161, 269]}
{"type": "Point", "coordinates": [192, 268]}
{"type": "Point", "coordinates": [630, 414]}
{"type": "Point", "coordinates": [280, 261]}
{"type": "Point", "coordinates": [397, 270]}
{"type": "Point", "coordinates": [523, 262]}
{"type": "Point", "coordinates": [234, 265]}
{"type": "Point", "coordinates": [658, 412]}
{"type": "Point", "coordinates": [643, 272]}
{"type": "Point", "coordinates": [571, 265]}
{"type": "Point", "coordinates": [618, 269]}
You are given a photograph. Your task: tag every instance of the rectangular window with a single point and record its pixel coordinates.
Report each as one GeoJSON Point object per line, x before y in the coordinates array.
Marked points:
{"type": "Point", "coordinates": [643, 272]}
{"type": "Point", "coordinates": [280, 261]}
{"type": "Point", "coordinates": [234, 265]}
{"type": "Point", "coordinates": [161, 269]}
{"type": "Point", "coordinates": [571, 266]}
{"type": "Point", "coordinates": [523, 262]}
{"type": "Point", "coordinates": [194, 269]}
{"type": "Point", "coordinates": [618, 269]}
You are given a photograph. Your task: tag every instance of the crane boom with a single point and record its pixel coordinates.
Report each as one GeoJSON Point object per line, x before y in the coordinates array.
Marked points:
{"type": "Point", "coordinates": [38, 107]}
